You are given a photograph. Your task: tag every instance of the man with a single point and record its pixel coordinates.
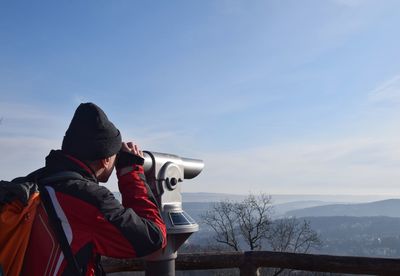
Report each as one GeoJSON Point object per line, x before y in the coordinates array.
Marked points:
{"type": "Point", "coordinates": [94, 222]}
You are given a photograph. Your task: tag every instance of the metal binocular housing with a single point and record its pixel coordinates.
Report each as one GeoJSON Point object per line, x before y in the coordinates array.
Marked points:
{"type": "Point", "coordinates": [165, 174]}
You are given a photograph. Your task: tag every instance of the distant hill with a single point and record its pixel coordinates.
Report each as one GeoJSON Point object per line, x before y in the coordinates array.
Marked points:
{"type": "Point", "coordinates": [282, 208]}
{"type": "Point", "coordinates": [196, 209]}
{"type": "Point", "coordinates": [301, 205]}
{"type": "Point", "coordinates": [342, 227]}
{"type": "Point", "coordinates": [282, 198]}
{"type": "Point", "coordinates": [358, 236]}
{"type": "Point", "coordinates": [202, 197]}
{"type": "Point", "coordinates": [389, 208]}
{"type": "Point", "coordinates": [210, 197]}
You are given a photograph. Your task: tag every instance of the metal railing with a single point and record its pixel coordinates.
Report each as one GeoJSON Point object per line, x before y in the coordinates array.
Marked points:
{"type": "Point", "coordinates": [249, 263]}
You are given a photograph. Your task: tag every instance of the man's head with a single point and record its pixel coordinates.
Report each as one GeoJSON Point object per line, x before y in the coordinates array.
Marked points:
{"type": "Point", "coordinates": [103, 168]}
{"type": "Point", "coordinates": [92, 137]}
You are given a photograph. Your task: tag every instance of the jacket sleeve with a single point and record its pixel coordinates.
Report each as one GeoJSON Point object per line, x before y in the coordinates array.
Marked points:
{"type": "Point", "coordinates": [137, 195]}
{"type": "Point", "coordinates": [133, 229]}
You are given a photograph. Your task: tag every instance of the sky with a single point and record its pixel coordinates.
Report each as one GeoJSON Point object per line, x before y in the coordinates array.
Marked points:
{"type": "Point", "coordinates": [281, 97]}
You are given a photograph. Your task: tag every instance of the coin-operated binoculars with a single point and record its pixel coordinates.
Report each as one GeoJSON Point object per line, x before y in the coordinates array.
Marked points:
{"type": "Point", "coordinates": [165, 174]}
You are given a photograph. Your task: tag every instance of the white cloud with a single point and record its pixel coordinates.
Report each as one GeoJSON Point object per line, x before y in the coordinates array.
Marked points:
{"type": "Point", "coordinates": [23, 120]}
{"type": "Point", "coordinates": [153, 139]}
{"type": "Point", "coordinates": [22, 155]}
{"type": "Point", "coordinates": [27, 134]}
{"type": "Point", "coordinates": [346, 166]}
{"type": "Point", "coordinates": [387, 92]}
{"type": "Point", "coordinates": [21, 111]}
{"type": "Point", "coordinates": [356, 166]}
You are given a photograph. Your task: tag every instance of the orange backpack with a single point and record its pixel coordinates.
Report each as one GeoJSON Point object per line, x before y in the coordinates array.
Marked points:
{"type": "Point", "coordinates": [19, 200]}
{"type": "Point", "coordinates": [18, 205]}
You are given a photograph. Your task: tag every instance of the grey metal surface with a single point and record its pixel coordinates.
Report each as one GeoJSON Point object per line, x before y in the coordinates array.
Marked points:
{"type": "Point", "coordinates": [165, 174]}
{"type": "Point", "coordinates": [192, 167]}
{"type": "Point", "coordinates": [160, 268]}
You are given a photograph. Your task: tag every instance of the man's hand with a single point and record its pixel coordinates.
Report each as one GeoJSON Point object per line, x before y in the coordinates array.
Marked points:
{"type": "Point", "coordinates": [129, 155]}
{"type": "Point", "coordinates": [132, 148]}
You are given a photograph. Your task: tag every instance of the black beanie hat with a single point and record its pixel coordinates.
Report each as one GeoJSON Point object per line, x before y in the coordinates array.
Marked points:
{"type": "Point", "coordinates": [90, 135]}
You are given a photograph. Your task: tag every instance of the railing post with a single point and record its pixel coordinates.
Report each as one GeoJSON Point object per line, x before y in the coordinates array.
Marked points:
{"type": "Point", "coordinates": [248, 268]}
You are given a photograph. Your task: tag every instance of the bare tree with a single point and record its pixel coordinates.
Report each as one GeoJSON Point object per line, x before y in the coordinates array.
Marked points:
{"type": "Point", "coordinates": [249, 223]}
{"type": "Point", "coordinates": [254, 219]}
{"type": "Point", "coordinates": [293, 235]}
{"type": "Point", "coordinates": [222, 219]}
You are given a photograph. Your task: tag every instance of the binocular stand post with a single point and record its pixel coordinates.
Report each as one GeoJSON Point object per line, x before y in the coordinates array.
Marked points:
{"type": "Point", "coordinates": [160, 268]}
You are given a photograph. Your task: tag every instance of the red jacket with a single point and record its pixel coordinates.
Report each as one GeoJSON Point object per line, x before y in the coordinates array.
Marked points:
{"type": "Point", "coordinates": [95, 223]}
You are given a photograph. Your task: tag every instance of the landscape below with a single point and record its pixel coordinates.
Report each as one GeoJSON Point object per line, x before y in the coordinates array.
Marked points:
{"type": "Point", "coordinates": [347, 225]}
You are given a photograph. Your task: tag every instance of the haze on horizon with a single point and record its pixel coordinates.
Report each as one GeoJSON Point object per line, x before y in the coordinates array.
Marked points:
{"type": "Point", "coordinates": [284, 97]}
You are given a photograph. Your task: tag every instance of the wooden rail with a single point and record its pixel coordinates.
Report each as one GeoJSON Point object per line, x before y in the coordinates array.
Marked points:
{"type": "Point", "coordinates": [249, 262]}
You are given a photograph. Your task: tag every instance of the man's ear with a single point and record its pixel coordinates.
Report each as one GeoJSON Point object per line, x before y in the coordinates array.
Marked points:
{"type": "Point", "coordinates": [105, 162]}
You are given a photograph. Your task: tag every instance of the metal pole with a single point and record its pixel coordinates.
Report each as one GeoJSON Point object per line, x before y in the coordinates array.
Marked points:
{"type": "Point", "coordinates": [160, 268]}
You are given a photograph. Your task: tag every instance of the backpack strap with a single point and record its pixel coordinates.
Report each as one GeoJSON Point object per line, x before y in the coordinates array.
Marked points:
{"type": "Point", "coordinates": [55, 220]}
{"type": "Point", "coordinates": [59, 176]}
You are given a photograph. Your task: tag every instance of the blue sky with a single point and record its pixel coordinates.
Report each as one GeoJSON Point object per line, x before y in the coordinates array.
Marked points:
{"type": "Point", "coordinates": [276, 96]}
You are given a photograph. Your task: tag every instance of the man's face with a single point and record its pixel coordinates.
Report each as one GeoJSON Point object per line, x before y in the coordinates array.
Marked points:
{"type": "Point", "coordinates": [108, 169]}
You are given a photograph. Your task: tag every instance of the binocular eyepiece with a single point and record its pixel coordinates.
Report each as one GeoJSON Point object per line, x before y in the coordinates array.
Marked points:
{"type": "Point", "coordinates": [191, 167]}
